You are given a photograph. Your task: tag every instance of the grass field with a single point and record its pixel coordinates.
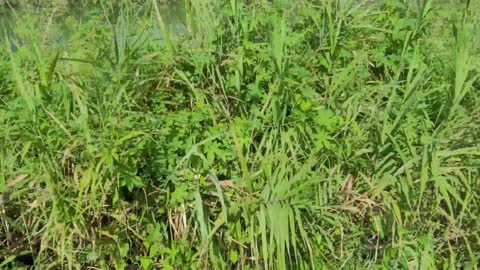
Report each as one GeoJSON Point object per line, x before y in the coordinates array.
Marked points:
{"type": "Point", "coordinates": [229, 134]}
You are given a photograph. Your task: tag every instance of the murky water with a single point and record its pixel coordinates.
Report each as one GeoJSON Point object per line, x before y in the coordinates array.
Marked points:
{"type": "Point", "coordinates": [55, 23]}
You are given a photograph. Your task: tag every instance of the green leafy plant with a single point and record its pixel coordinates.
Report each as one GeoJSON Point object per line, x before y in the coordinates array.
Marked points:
{"type": "Point", "coordinates": [205, 134]}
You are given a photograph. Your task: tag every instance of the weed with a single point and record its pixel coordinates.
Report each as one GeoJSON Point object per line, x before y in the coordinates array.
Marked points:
{"type": "Point", "coordinates": [240, 135]}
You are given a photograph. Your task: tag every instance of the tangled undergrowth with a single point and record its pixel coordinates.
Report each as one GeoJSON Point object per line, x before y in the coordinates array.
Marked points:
{"type": "Point", "coordinates": [314, 134]}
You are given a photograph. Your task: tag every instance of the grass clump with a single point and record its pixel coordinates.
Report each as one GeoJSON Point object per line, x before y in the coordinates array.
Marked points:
{"type": "Point", "coordinates": [247, 135]}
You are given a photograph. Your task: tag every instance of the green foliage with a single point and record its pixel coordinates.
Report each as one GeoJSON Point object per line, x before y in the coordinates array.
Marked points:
{"type": "Point", "coordinates": [244, 135]}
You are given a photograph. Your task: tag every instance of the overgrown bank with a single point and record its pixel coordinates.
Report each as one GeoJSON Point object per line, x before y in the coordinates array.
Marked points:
{"type": "Point", "coordinates": [315, 135]}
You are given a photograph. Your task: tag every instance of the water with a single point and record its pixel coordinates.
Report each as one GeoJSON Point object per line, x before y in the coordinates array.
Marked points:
{"type": "Point", "coordinates": [56, 27]}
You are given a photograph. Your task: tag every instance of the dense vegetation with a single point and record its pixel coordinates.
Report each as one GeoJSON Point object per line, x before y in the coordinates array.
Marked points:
{"type": "Point", "coordinates": [314, 134]}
